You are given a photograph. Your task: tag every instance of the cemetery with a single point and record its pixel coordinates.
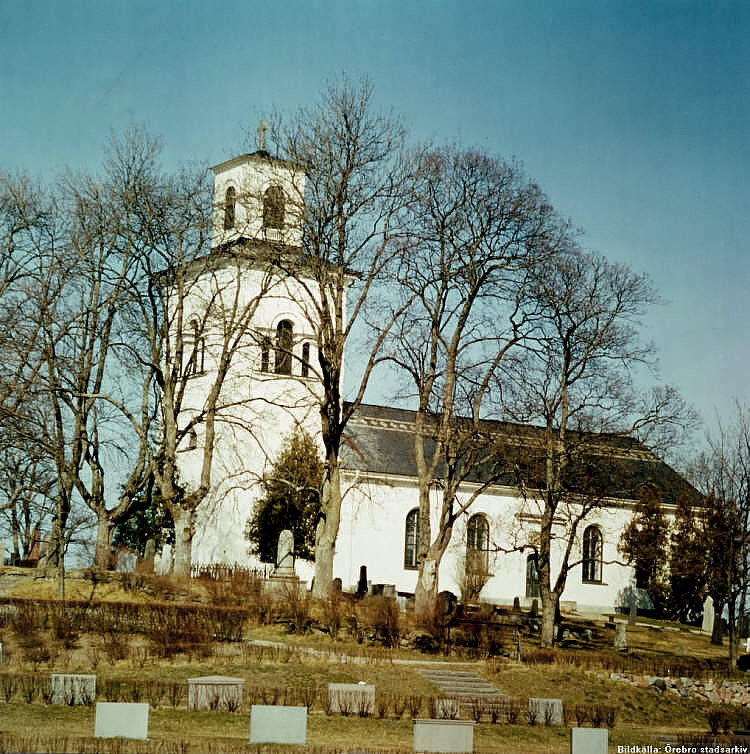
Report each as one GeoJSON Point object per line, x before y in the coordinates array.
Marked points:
{"type": "Point", "coordinates": [198, 662]}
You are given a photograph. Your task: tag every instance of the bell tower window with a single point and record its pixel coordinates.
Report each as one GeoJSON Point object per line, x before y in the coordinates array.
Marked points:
{"type": "Point", "coordinates": [230, 201]}
{"type": "Point", "coordinates": [273, 207]}
{"type": "Point", "coordinates": [284, 343]}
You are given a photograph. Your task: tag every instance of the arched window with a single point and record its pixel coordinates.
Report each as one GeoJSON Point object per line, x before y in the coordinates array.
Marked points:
{"type": "Point", "coordinates": [284, 343]}
{"type": "Point", "coordinates": [273, 207]}
{"type": "Point", "coordinates": [305, 368]}
{"type": "Point", "coordinates": [478, 533]}
{"type": "Point", "coordinates": [533, 586]}
{"type": "Point", "coordinates": [592, 555]}
{"type": "Point", "coordinates": [477, 557]}
{"type": "Point", "coordinates": [230, 201]}
{"type": "Point", "coordinates": [411, 539]}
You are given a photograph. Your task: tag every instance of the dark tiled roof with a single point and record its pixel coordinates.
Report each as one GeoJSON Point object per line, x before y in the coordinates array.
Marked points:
{"type": "Point", "coordinates": [380, 440]}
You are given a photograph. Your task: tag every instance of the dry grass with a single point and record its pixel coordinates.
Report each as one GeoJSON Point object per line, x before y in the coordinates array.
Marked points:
{"type": "Point", "coordinates": [643, 713]}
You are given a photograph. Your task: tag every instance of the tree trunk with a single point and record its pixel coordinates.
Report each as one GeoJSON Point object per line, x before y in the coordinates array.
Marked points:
{"type": "Point", "coordinates": [426, 591]}
{"type": "Point", "coordinates": [103, 555]}
{"type": "Point", "coordinates": [550, 600]}
{"type": "Point", "coordinates": [733, 638]}
{"type": "Point", "coordinates": [717, 633]}
{"type": "Point", "coordinates": [184, 522]}
{"type": "Point", "coordinates": [55, 549]}
{"type": "Point", "coordinates": [327, 531]}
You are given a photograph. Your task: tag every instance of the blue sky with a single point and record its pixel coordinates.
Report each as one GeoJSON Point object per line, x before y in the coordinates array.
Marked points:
{"type": "Point", "coordinates": [633, 116]}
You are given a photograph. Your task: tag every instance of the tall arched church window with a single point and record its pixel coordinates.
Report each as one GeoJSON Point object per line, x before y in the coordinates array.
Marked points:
{"type": "Point", "coordinates": [305, 368]}
{"type": "Point", "coordinates": [477, 556]}
{"type": "Point", "coordinates": [592, 555]}
{"type": "Point", "coordinates": [284, 344]}
{"type": "Point", "coordinates": [411, 539]}
{"type": "Point", "coordinates": [533, 582]}
{"type": "Point", "coordinates": [273, 207]}
{"type": "Point", "coordinates": [230, 203]}
{"type": "Point", "coordinates": [478, 534]}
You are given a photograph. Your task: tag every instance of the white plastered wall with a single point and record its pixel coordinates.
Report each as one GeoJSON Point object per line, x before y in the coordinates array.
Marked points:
{"type": "Point", "coordinates": [373, 529]}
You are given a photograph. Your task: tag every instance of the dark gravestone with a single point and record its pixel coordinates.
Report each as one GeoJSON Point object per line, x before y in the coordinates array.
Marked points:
{"type": "Point", "coordinates": [362, 584]}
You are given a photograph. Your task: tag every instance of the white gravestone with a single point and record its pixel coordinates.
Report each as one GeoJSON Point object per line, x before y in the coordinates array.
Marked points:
{"type": "Point", "coordinates": [121, 720]}
{"type": "Point", "coordinates": [275, 724]}
{"type": "Point", "coordinates": [589, 740]}
{"type": "Point", "coordinates": [285, 554]}
{"type": "Point", "coordinates": [72, 688]}
{"type": "Point", "coordinates": [445, 708]}
{"type": "Point", "coordinates": [356, 699]}
{"type": "Point", "coordinates": [621, 637]}
{"type": "Point", "coordinates": [444, 736]}
{"type": "Point", "coordinates": [707, 626]}
{"type": "Point", "coordinates": [546, 711]}
{"type": "Point", "coordinates": [218, 692]}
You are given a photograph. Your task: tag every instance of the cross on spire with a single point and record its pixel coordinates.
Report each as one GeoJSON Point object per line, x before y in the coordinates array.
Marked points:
{"type": "Point", "coordinates": [262, 132]}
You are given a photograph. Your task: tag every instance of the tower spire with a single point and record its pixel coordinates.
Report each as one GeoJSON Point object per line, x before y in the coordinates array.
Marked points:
{"type": "Point", "coordinates": [262, 133]}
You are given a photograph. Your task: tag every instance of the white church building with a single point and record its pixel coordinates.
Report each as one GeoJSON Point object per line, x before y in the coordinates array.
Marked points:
{"type": "Point", "coordinates": [273, 390]}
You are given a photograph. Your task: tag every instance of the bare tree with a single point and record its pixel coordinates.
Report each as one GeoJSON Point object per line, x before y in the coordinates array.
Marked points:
{"type": "Point", "coordinates": [724, 472]}
{"type": "Point", "coordinates": [29, 230]}
{"type": "Point", "coordinates": [477, 228]}
{"type": "Point", "coordinates": [35, 296]}
{"type": "Point", "coordinates": [578, 381]}
{"type": "Point", "coordinates": [358, 182]}
{"type": "Point", "coordinates": [27, 484]}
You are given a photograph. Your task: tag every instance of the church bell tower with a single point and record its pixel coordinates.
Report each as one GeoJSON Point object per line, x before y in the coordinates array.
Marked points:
{"type": "Point", "coordinates": [258, 198]}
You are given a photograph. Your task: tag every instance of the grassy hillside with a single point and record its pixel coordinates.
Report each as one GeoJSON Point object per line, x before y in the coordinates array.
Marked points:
{"type": "Point", "coordinates": [97, 634]}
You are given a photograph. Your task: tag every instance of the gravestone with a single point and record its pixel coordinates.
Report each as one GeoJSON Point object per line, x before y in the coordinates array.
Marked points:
{"type": "Point", "coordinates": [72, 688]}
{"type": "Point", "coordinates": [146, 564]}
{"type": "Point", "coordinates": [276, 724]}
{"type": "Point", "coordinates": [707, 626]}
{"type": "Point", "coordinates": [445, 708]}
{"type": "Point", "coordinates": [351, 699]}
{"type": "Point", "coordinates": [125, 560]}
{"type": "Point", "coordinates": [546, 711]}
{"type": "Point", "coordinates": [633, 614]}
{"type": "Point", "coordinates": [216, 692]}
{"type": "Point", "coordinates": [163, 560]}
{"type": "Point", "coordinates": [362, 587]}
{"type": "Point", "coordinates": [121, 720]}
{"type": "Point", "coordinates": [621, 637]}
{"type": "Point", "coordinates": [444, 736]}
{"type": "Point", "coordinates": [285, 555]}
{"type": "Point", "coordinates": [589, 740]}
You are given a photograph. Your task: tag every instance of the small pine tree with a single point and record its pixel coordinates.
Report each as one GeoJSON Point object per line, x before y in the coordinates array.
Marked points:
{"type": "Point", "coordinates": [645, 543]}
{"type": "Point", "coordinates": [291, 500]}
{"type": "Point", "coordinates": [687, 565]}
{"type": "Point", "coordinates": [151, 520]}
